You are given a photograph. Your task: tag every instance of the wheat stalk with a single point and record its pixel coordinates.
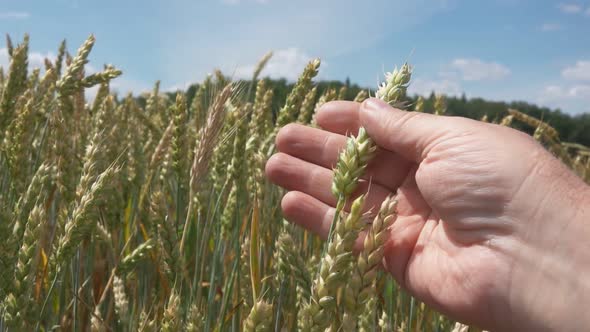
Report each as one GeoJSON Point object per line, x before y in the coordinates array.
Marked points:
{"type": "Point", "coordinates": [307, 106]}
{"type": "Point", "coordinates": [194, 322]}
{"type": "Point", "coordinates": [171, 320]}
{"type": "Point", "coordinates": [15, 82]}
{"type": "Point", "coordinates": [440, 104]}
{"type": "Point", "coordinates": [361, 96]}
{"type": "Point", "coordinates": [334, 268]}
{"type": "Point", "coordinates": [203, 150]}
{"type": "Point", "coordinates": [121, 301]}
{"type": "Point", "coordinates": [395, 86]}
{"type": "Point", "coordinates": [260, 65]}
{"type": "Point", "coordinates": [67, 84]}
{"type": "Point", "coordinates": [289, 112]}
{"type": "Point", "coordinates": [351, 165]}
{"type": "Point", "coordinates": [130, 261]}
{"type": "Point", "coordinates": [260, 318]}
{"type": "Point", "coordinates": [19, 304]}
{"type": "Point", "coordinates": [419, 106]}
{"type": "Point", "coordinates": [80, 224]}
{"type": "Point", "coordinates": [364, 273]}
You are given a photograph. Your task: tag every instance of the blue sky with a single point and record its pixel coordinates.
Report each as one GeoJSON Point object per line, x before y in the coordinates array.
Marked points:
{"type": "Point", "coordinates": [532, 50]}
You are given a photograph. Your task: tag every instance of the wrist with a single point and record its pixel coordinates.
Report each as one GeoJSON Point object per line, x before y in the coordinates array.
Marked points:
{"type": "Point", "coordinates": [551, 276]}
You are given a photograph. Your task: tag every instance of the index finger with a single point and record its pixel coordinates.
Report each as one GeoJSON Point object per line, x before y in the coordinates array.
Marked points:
{"type": "Point", "coordinates": [340, 117]}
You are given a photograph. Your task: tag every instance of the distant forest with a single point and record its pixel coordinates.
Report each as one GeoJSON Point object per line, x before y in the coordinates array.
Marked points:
{"type": "Point", "coordinates": [571, 128]}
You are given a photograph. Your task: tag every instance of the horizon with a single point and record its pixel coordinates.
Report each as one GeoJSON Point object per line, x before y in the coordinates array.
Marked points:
{"type": "Point", "coordinates": [502, 50]}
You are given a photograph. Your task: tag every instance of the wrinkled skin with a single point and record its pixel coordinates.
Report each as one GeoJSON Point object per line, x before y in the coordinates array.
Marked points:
{"type": "Point", "coordinates": [492, 230]}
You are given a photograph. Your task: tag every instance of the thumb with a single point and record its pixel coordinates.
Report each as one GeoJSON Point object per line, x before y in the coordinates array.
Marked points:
{"type": "Point", "coordinates": [410, 134]}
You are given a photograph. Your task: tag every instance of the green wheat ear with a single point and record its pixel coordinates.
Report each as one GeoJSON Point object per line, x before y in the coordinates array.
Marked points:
{"type": "Point", "coordinates": [364, 272]}
{"type": "Point", "coordinates": [419, 106]}
{"type": "Point", "coordinates": [289, 112]}
{"type": "Point", "coordinates": [440, 104]}
{"type": "Point", "coordinates": [334, 268]}
{"type": "Point", "coordinates": [396, 85]}
{"type": "Point", "coordinates": [352, 163]}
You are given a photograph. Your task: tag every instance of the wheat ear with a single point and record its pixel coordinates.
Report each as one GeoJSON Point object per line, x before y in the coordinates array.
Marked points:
{"type": "Point", "coordinates": [208, 137]}
{"type": "Point", "coordinates": [364, 272]}
{"type": "Point", "coordinates": [334, 268]}
{"type": "Point", "coordinates": [395, 86]}
{"type": "Point", "coordinates": [260, 318]}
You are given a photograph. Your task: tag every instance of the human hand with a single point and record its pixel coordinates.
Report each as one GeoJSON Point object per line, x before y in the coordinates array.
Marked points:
{"type": "Point", "coordinates": [491, 229]}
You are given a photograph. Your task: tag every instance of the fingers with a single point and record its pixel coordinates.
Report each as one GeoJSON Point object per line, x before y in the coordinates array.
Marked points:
{"type": "Point", "coordinates": [409, 133]}
{"type": "Point", "coordinates": [323, 148]}
{"type": "Point", "coordinates": [310, 144]}
{"type": "Point", "coordinates": [311, 214]}
{"type": "Point", "coordinates": [340, 117]}
{"type": "Point", "coordinates": [295, 174]}
{"type": "Point", "coordinates": [308, 212]}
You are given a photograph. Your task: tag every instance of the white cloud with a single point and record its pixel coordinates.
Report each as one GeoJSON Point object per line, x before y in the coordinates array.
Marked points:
{"type": "Point", "coordinates": [587, 11]}
{"type": "Point", "coordinates": [286, 63]}
{"type": "Point", "coordinates": [36, 59]}
{"type": "Point", "coordinates": [122, 86]}
{"type": "Point", "coordinates": [570, 8]}
{"type": "Point", "coordinates": [551, 27]}
{"type": "Point", "coordinates": [556, 92]}
{"type": "Point", "coordinates": [176, 87]}
{"type": "Point", "coordinates": [4, 58]}
{"type": "Point", "coordinates": [574, 99]}
{"type": "Point", "coordinates": [573, 96]}
{"type": "Point", "coordinates": [424, 87]}
{"type": "Point", "coordinates": [325, 32]}
{"type": "Point", "coordinates": [580, 91]}
{"type": "Point", "coordinates": [90, 93]}
{"type": "Point", "coordinates": [14, 15]}
{"type": "Point", "coordinates": [478, 70]}
{"type": "Point", "coordinates": [449, 80]}
{"type": "Point", "coordinates": [579, 72]}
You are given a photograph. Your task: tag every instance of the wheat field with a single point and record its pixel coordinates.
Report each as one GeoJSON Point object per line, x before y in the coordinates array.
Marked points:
{"type": "Point", "coordinates": [151, 213]}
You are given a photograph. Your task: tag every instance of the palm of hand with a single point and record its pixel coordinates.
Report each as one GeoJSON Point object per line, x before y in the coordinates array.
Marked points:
{"type": "Point", "coordinates": [448, 245]}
